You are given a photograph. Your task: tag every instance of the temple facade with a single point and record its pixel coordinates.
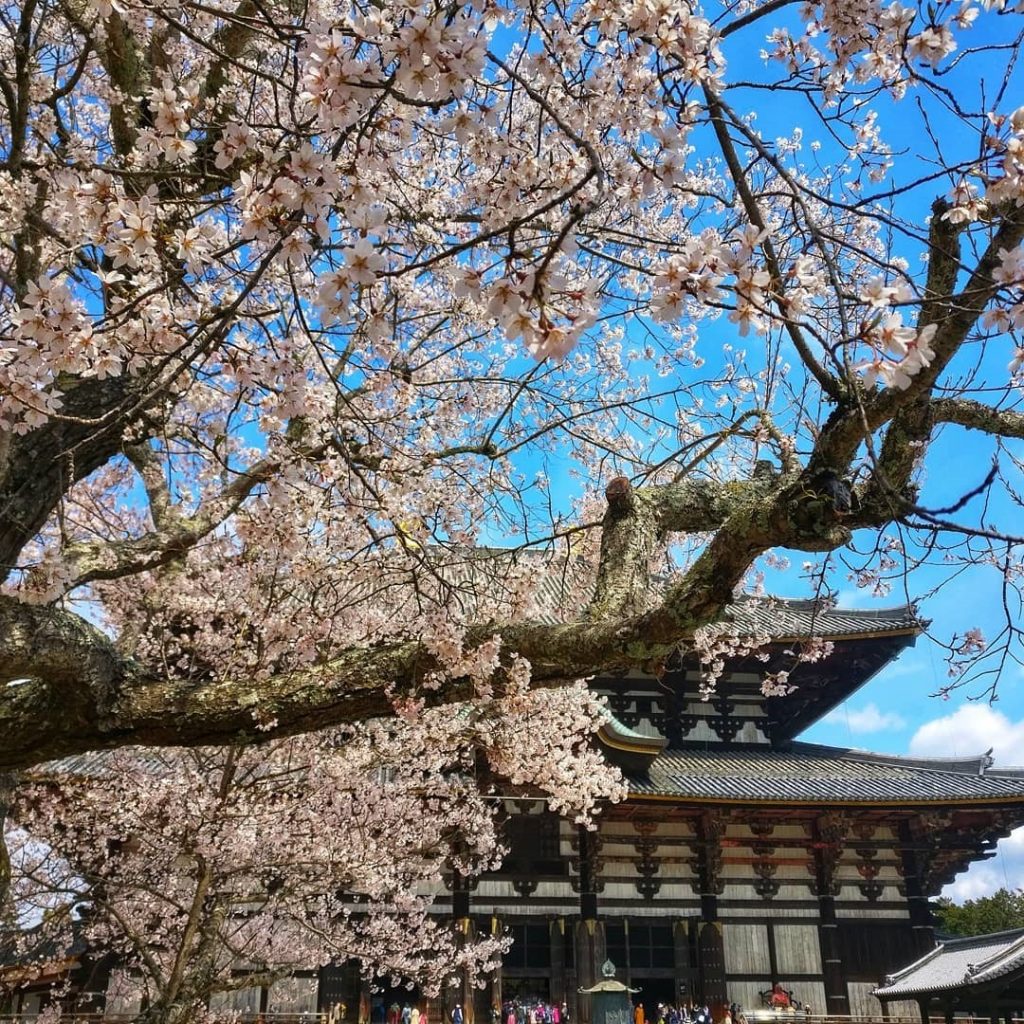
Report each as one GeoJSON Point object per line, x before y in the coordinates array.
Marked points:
{"type": "Point", "coordinates": [743, 857]}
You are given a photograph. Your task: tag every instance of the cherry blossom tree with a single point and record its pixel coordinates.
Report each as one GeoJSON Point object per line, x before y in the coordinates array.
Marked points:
{"type": "Point", "coordinates": [188, 867]}
{"type": "Point", "coordinates": [307, 308]}
{"type": "Point", "coordinates": [204, 871]}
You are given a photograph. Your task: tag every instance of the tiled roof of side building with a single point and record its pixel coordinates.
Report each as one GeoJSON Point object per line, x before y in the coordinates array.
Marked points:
{"type": "Point", "coordinates": [813, 774]}
{"type": "Point", "coordinates": [958, 963]}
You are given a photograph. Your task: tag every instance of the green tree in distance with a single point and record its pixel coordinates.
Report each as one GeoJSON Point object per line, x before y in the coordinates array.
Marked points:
{"type": "Point", "coordinates": [999, 912]}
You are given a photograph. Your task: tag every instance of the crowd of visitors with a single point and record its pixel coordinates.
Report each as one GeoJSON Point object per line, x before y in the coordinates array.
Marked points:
{"type": "Point", "coordinates": [536, 1011]}
{"type": "Point", "coordinates": [407, 1013]}
{"type": "Point", "coordinates": [776, 998]}
{"type": "Point", "coordinates": [685, 1013]}
{"type": "Point", "coordinates": [533, 1012]}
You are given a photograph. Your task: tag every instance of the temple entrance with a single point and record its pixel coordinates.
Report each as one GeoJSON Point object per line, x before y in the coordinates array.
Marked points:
{"type": "Point", "coordinates": [526, 990]}
{"type": "Point", "coordinates": [652, 992]}
{"type": "Point", "coordinates": [387, 1004]}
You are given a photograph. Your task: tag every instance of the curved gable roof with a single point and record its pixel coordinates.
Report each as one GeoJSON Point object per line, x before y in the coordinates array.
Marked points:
{"type": "Point", "coordinates": [959, 964]}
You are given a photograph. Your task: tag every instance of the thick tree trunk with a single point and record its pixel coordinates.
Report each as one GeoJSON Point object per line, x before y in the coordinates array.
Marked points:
{"type": "Point", "coordinates": [37, 468]}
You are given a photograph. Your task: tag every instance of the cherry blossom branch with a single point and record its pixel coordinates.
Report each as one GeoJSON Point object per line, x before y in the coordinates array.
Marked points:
{"type": "Point", "coordinates": [829, 384]}
{"type": "Point", "coordinates": [79, 693]}
{"type": "Point", "coordinates": [955, 317]}
{"type": "Point", "coordinates": [175, 534]}
{"type": "Point", "coordinates": [636, 520]}
{"type": "Point", "coordinates": [154, 481]}
{"type": "Point", "coordinates": [755, 15]}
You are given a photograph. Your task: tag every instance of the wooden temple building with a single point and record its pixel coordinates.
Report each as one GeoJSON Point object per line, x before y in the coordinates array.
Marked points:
{"type": "Point", "coordinates": [742, 857]}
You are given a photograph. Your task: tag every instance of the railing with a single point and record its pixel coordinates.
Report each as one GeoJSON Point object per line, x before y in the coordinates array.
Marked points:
{"type": "Point", "coordinates": [755, 1017]}
{"type": "Point", "coordinates": [762, 1016]}
{"type": "Point", "coordinates": [878, 1018]}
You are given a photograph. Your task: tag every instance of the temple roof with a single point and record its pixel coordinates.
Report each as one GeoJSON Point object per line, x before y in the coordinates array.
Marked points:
{"type": "Point", "coordinates": [564, 581]}
{"type": "Point", "coordinates": [814, 774]}
{"type": "Point", "coordinates": [958, 964]}
{"type": "Point", "coordinates": [796, 620]}
{"type": "Point", "coordinates": [862, 643]}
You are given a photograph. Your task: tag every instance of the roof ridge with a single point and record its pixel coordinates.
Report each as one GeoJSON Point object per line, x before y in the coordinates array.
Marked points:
{"type": "Point", "coordinates": [825, 605]}
{"type": "Point", "coordinates": [1010, 951]}
{"type": "Point", "coordinates": [809, 773]}
{"type": "Point", "coordinates": [926, 764]}
{"type": "Point", "coordinates": [1006, 938]}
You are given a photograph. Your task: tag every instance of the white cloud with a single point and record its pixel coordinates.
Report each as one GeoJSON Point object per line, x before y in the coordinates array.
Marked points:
{"type": "Point", "coordinates": [866, 719]}
{"type": "Point", "coordinates": [971, 729]}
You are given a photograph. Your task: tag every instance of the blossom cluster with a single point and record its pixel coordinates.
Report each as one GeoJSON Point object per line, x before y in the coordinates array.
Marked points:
{"type": "Point", "coordinates": [303, 854]}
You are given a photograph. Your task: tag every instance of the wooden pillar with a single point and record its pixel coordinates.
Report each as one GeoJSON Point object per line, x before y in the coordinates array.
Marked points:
{"type": "Point", "coordinates": [589, 843]}
{"type": "Point", "coordinates": [460, 896]}
{"type": "Point", "coordinates": [462, 993]}
{"type": "Point", "coordinates": [829, 833]}
{"type": "Point", "coordinates": [591, 952]}
{"type": "Point", "coordinates": [496, 977]}
{"type": "Point", "coordinates": [922, 1005]}
{"type": "Point", "coordinates": [914, 849]}
{"type": "Point", "coordinates": [589, 934]}
{"type": "Point", "coordinates": [683, 966]}
{"type": "Point", "coordinates": [557, 927]}
{"type": "Point", "coordinates": [710, 941]}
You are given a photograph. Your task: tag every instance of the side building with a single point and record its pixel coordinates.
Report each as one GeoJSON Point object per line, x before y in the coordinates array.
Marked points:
{"type": "Point", "coordinates": [742, 857]}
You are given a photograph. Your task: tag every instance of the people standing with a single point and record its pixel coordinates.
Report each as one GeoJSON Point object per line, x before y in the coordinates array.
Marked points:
{"type": "Point", "coordinates": [457, 1014]}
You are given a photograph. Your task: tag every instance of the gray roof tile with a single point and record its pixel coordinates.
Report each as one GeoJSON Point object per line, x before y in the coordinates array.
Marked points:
{"type": "Point", "coordinates": [782, 618]}
{"type": "Point", "coordinates": [958, 963]}
{"type": "Point", "coordinates": [563, 581]}
{"type": "Point", "coordinates": [809, 773]}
